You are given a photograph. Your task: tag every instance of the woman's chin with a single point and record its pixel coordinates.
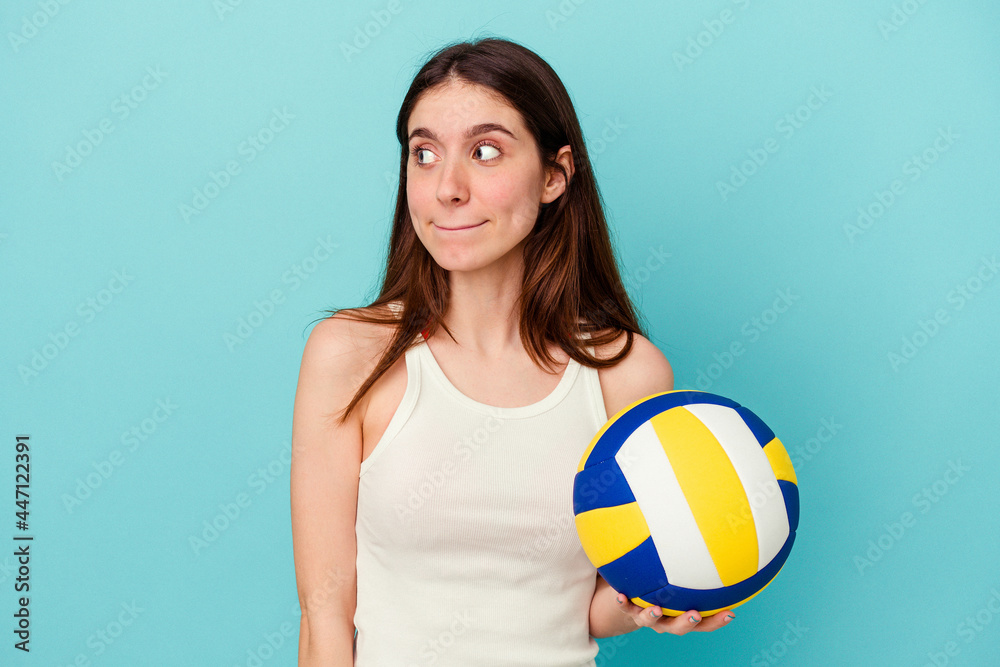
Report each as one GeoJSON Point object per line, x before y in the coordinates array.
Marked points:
{"type": "Point", "coordinates": [458, 259]}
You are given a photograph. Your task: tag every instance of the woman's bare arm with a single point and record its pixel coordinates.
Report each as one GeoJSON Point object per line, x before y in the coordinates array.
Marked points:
{"type": "Point", "coordinates": [644, 372]}
{"type": "Point", "coordinates": [326, 461]}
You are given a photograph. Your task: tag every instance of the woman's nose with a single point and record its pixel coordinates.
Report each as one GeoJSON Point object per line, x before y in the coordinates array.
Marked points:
{"type": "Point", "coordinates": [453, 184]}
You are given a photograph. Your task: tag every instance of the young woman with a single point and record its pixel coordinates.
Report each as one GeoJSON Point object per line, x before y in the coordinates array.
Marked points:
{"type": "Point", "coordinates": [436, 432]}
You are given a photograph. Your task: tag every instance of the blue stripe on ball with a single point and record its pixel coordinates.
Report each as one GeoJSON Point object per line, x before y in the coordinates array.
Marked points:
{"type": "Point", "coordinates": [791, 493]}
{"type": "Point", "coordinates": [637, 571]}
{"type": "Point", "coordinates": [601, 485]}
{"type": "Point", "coordinates": [760, 430]}
{"type": "Point", "coordinates": [681, 599]}
{"type": "Point", "coordinates": [619, 431]}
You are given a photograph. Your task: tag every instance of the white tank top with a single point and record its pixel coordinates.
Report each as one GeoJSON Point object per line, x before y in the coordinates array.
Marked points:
{"type": "Point", "coordinates": [468, 553]}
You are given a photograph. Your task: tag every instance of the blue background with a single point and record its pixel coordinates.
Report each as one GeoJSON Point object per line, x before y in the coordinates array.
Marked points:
{"type": "Point", "coordinates": [872, 435]}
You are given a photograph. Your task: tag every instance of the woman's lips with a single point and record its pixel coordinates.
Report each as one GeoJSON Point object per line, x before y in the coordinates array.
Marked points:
{"type": "Point", "coordinates": [456, 229]}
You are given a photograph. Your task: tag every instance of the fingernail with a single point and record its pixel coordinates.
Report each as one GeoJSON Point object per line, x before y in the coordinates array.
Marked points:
{"type": "Point", "coordinates": [619, 599]}
{"type": "Point", "coordinates": [652, 612]}
{"type": "Point", "coordinates": [728, 618]}
{"type": "Point", "coordinates": [694, 619]}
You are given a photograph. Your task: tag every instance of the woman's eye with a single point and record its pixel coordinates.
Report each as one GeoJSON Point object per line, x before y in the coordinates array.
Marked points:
{"type": "Point", "coordinates": [488, 156]}
{"type": "Point", "coordinates": [417, 152]}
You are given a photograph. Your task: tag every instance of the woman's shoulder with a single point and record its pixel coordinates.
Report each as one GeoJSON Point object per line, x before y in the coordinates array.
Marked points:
{"type": "Point", "coordinates": [352, 339]}
{"type": "Point", "coordinates": [644, 371]}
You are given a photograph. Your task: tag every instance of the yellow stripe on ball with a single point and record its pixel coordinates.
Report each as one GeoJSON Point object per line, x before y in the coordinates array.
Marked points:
{"type": "Point", "coordinates": [713, 490]}
{"type": "Point", "coordinates": [781, 463]}
{"type": "Point", "coordinates": [608, 533]}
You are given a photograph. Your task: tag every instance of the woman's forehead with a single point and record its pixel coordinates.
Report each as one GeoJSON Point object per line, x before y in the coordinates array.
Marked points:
{"type": "Point", "coordinates": [460, 105]}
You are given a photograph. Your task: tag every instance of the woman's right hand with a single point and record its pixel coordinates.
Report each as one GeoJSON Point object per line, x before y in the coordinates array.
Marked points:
{"type": "Point", "coordinates": [690, 621]}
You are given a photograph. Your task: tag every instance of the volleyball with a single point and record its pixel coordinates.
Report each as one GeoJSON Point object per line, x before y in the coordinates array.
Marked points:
{"type": "Point", "coordinates": [686, 500]}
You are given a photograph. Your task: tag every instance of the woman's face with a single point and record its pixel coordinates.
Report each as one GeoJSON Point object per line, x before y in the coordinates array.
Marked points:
{"type": "Point", "coordinates": [474, 179]}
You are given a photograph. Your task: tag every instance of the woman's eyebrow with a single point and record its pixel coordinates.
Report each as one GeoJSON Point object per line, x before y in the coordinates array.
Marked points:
{"type": "Point", "coordinates": [473, 131]}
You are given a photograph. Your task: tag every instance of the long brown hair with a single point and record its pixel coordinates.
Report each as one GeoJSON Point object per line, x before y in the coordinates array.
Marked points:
{"type": "Point", "coordinates": [571, 282]}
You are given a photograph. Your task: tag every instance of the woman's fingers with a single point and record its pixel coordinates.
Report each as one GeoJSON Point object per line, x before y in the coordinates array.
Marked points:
{"type": "Point", "coordinates": [629, 607]}
{"type": "Point", "coordinates": [675, 625]}
{"type": "Point", "coordinates": [653, 617]}
{"type": "Point", "coordinates": [715, 621]}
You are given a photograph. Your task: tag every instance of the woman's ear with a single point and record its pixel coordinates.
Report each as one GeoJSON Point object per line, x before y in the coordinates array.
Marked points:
{"type": "Point", "coordinates": [556, 183]}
